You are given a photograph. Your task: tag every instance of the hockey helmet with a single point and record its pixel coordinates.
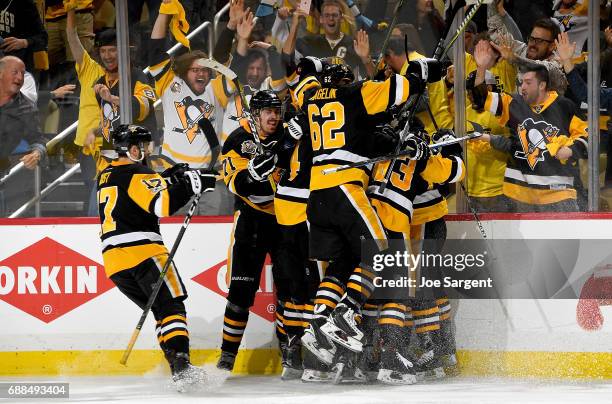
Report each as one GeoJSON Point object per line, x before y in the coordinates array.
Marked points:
{"type": "Point", "coordinates": [336, 73]}
{"type": "Point", "coordinates": [264, 99]}
{"type": "Point", "coordinates": [127, 135]}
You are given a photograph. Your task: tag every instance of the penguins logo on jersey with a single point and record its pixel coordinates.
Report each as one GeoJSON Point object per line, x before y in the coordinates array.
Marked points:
{"type": "Point", "coordinates": [566, 22]}
{"type": "Point", "coordinates": [248, 147]}
{"type": "Point", "coordinates": [534, 137]}
{"type": "Point", "coordinates": [190, 112]}
{"type": "Point", "coordinates": [153, 184]}
{"type": "Point", "coordinates": [110, 115]}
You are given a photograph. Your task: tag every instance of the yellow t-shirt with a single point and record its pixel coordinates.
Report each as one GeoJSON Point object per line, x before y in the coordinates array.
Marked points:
{"type": "Point", "coordinates": [485, 165]}
{"type": "Point", "coordinates": [88, 73]}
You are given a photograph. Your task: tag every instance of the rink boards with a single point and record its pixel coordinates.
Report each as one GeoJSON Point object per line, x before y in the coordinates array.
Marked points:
{"type": "Point", "coordinates": [61, 315]}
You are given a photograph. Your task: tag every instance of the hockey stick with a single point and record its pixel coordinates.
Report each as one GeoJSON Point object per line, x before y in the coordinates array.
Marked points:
{"type": "Point", "coordinates": [385, 44]}
{"type": "Point", "coordinates": [402, 153]}
{"type": "Point", "coordinates": [406, 130]}
{"type": "Point", "coordinates": [160, 280]}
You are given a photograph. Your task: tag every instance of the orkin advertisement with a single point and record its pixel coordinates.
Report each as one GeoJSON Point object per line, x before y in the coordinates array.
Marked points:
{"type": "Point", "coordinates": [54, 294]}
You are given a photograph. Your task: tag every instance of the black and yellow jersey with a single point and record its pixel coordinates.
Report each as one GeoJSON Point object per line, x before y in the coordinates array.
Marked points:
{"type": "Point", "coordinates": [533, 175]}
{"type": "Point", "coordinates": [238, 149]}
{"type": "Point", "coordinates": [142, 106]}
{"type": "Point", "coordinates": [339, 124]}
{"type": "Point", "coordinates": [409, 180]}
{"type": "Point", "coordinates": [293, 190]}
{"type": "Point", "coordinates": [131, 199]}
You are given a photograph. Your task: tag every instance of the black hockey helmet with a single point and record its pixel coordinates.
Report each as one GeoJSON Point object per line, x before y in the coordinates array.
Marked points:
{"type": "Point", "coordinates": [336, 73]}
{"type": "Point", "coordinates": [264, 99]}
{"type": "Point", "coordinates": [127, 135]}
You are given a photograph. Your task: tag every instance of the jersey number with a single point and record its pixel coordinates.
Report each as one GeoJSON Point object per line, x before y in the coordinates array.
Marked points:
{"type": "Point", "coordinates": [327, 134]}
{"type": "Point", "coordinates": [108, 197]}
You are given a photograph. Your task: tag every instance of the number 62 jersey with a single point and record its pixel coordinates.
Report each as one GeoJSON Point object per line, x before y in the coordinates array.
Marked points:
{"type": "Point", "coordinates": [339, 127]}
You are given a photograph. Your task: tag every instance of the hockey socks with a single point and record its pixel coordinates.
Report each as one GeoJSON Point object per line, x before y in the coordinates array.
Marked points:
{"type": "Point", "coordinates": [234, 324]}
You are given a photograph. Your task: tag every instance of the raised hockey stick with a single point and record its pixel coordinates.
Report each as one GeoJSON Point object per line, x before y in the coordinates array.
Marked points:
{"type": "Point", "coordinates": [437, 55]}
{"type": "Point", "coordinates": [160, 280]}
{"type": "Point", "coordinates": [385, 43]}
{"type": "Point", "coordinates": [401, 154]}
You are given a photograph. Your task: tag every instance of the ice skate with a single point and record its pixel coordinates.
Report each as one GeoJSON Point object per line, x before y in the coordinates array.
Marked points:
{"type": "Point", "coordinates": [291, 361]}
{"type": "Point", "coordinates": [395, 369]}
{"type": "Point", "coordinates": [428, 363]}
{"type": "Point", "coordinates": [226, 361]}
{"type": "Point", "coordinates": [315, 371]}
{"type": "Point", "coordinates": [185, 376]}
{"type": "Point", "coordinates": [318, 343]}
{"type": "Point", "coordinates": [341, 328]}
{"type": "Point", "coordinates": [345, 369]}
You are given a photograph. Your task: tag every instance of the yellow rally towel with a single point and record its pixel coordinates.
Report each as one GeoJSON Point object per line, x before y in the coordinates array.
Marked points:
{"type": "Point", "coordinates": [556, 143]}
{"type": "Point", "coordinates": [70, 5]}
{"type": "Point", "coordinates": [178, 25]}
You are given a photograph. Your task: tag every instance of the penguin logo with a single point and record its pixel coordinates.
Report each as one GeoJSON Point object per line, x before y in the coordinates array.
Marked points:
{"type": "Point", "coordinates": [534, 136]}
{"type": "Point", "coordinates": [190, 112]}
{"type": "Point", "coordinates": [110, 115]}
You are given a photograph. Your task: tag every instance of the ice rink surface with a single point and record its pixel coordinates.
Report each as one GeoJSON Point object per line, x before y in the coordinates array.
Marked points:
{"type": "Point", "coordinates": [156, 388]}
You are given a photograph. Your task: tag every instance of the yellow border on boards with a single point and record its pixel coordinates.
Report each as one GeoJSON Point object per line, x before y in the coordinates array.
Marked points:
{"type": "Point", "coordinates": [574, 365]}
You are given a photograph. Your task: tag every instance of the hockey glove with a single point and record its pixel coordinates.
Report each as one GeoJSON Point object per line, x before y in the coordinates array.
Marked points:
{"type": "Point", "coordinates": [200, 181]}
{"type": "Point", "coordinates": [385, 139]}
{"type": "Point", "coordinates": [294, 128]}
{"type": "Point", "coordinates": [175, 173]}
{"type": "Point", "coordinates": [420, 149]}
{"type": "Point", "coordinates": [428, 70]}
{"type": "Point", "coordinates": [443, 135]}
{"type": "Point", "coordinates": [261, 166]}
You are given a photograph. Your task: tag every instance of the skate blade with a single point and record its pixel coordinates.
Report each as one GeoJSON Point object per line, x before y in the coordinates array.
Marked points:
{"type": "Point", "coordinates": [387, 376]}
{"type": "Point", "coordinates": [431, 374]}
{"type": "Point", "coordinates": [291, 374]}
{"type": "Point", "coordinates": [341, 338]}
{"type": "Point", "coordinates": [315, 376]}
{"type": "Point", "coordinates": [324, 355]}
{"type": "Point", "coordinates": [337, 373]}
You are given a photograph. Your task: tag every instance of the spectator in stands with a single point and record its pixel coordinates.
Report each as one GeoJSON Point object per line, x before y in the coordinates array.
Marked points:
{"type": "Point", "coordinates": [22, 33]}
{"type": "Point", "coordinates": [106, 94]}
{"type": "Point", "coordinates": [538, 49]}
{"type": "Point", "coordinates": [427, 20]}
{"type": "Point", "coordinates": [573, 18]}
{"type": "Point", "coordinates": [485, 165]}
{"type": "Point", "coordinates": [18, 116]}
{"type": "Point", "coordinates": [547, 138]}
{"type": "Point", "coordinates": [193, 101]}
{"type": "Point", "coordinates": [332, 42]}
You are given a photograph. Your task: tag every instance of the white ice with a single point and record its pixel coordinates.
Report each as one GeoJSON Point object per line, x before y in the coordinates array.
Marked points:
{"type": "Point", "coordinates": [155, 388]}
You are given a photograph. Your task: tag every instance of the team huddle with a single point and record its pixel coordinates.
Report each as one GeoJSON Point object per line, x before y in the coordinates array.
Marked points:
{"type": "Point", "coordinates": [296, 203]}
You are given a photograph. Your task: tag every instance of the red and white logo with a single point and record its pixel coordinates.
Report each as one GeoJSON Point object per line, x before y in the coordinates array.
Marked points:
{"type": "Point", "coordinates": [48, 279]}
{"type": "Point", "coordinates": [215, 279]}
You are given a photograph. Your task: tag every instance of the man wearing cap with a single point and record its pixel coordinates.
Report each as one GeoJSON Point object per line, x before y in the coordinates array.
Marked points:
{"type": "Point", "coordinates": [99, 107]}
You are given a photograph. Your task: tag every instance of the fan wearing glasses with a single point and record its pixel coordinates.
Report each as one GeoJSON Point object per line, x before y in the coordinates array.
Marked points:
{"type": "Point", "coordinates": [539, 48]}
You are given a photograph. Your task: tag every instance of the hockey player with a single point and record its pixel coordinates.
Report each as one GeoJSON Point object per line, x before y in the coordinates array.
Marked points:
{"type": "Point", "coordinates": [290, 202]}
{"type": "Point", "coordinates": [131, 199]}
{"type": "Point", "coordinates": [339, 212]}
{"type": "Point", "coordinates": [249, 160]}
